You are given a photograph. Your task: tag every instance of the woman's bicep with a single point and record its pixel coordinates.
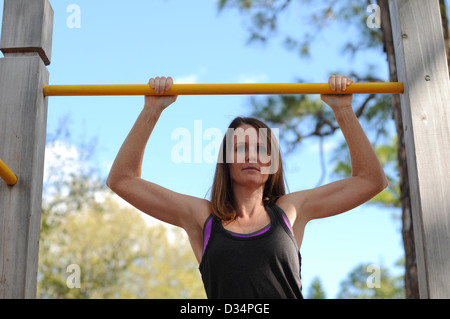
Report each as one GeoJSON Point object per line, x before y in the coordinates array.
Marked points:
{"type": "Point", "coordinates": [332, 199]}
{"type": "Point", "coordinates": [163, 204]}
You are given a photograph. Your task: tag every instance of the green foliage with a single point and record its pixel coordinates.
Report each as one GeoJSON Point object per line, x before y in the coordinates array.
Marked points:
{"type": "Point", "coordinates": [119, 254]}
{"type": "Point", "coordinates": [316, 291]}
{"type": "Point", "coordinates": [266, 21]}
{"type": "Point", "coordinates": [371, 282]}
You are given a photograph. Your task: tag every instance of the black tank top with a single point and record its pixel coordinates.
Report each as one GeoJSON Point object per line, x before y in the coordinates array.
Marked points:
{"type": "Point", "coordinates": [262, 265]}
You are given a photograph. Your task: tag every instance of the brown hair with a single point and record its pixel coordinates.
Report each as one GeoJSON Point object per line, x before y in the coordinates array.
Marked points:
{"type": "Point", "coordinates": [222, 197]}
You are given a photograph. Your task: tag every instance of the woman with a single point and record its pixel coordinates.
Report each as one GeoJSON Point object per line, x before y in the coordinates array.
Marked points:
{"type": "Point", "coordinates": [247, 238]}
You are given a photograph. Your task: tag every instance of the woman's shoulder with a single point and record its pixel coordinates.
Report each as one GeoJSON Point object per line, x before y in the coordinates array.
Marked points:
{"type": "Point", "coordinates": [290, 204]}
{"type": "Point", "coordinates": [202, 210]}
{"type": "Point", "coordinates": [290, 200]}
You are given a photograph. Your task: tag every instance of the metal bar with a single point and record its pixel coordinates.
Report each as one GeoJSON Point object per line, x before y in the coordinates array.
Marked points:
{"type": "Point", "coordinates": [7, 175]}
{"type": "Point", "coordinates": [222, 89]}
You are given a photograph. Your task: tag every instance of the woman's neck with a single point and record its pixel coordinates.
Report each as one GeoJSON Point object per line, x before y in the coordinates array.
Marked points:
{"type": "Point", "coordinates": [248, 201]}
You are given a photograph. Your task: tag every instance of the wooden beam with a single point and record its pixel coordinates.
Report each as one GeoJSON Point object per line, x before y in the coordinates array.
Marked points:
{"type": "Point", "coordinates": [422, 67]}
{"type": "Point", "coordinates": [23, 123]}
{"type": "Point", "coordinates": [27, 28]}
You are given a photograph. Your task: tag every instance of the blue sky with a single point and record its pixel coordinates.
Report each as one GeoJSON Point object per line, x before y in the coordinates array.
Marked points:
{"type": "Point", "coordinates": [127, 43]}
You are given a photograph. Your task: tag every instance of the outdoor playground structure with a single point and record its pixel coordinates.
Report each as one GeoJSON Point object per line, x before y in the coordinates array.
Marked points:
{"type": "Point", "coordinates": [26, 43]}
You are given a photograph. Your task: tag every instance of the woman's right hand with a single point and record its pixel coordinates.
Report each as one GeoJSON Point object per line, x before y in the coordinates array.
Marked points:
{"type": "Point", "coordinates": [160, 102]}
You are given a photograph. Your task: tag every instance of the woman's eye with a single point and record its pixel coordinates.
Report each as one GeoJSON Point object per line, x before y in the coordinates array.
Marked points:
{"type": "Point", "coordinates": [262, 150]}
{"type": "Point", "coordinates": [240, 149]}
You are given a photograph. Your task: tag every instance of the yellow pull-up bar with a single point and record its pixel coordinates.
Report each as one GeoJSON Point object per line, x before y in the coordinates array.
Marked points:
{"type": "Point", "coordinates": [222, 89]}
{"type": "Point", "coordinates": [7, 175]}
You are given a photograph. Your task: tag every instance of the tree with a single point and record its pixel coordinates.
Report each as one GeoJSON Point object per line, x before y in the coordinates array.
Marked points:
{"type": "Point", "coordinates": [316, 291]}
{"type": "Point", "coordinates": [370, 281]}
{"type": "Point", "coordinates": [294, 114]}
{"type": "Point", "coordinates": [93, 246]}
{"type": "Point", "coordinates": [116, 254]}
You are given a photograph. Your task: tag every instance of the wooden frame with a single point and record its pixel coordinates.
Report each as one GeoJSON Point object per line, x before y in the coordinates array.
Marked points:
{"type": "Point", "coordinates": [422, 68]}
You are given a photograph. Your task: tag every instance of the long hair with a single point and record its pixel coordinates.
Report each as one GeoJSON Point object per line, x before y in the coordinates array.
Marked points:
{"type": "Point", "coordinates": [222, 197]}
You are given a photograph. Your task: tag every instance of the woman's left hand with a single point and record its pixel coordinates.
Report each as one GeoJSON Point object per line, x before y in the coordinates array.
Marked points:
{"type": "Point", "coordinates": [338, 83]}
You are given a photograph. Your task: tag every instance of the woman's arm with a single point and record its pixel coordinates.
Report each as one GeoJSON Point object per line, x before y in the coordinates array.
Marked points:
{"type": "Point", "coordinates": [367, 180]}
{"type": "Point", "coordinates": [125, 175]}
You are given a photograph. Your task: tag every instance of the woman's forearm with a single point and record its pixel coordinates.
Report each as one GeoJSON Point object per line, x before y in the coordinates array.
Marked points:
{"type": "Point", "coordinates": [128, 162]}
{"type": "Point", "coordinates": [365, 162]}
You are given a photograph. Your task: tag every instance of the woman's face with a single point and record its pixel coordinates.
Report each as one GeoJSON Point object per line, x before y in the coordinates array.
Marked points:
{"type": "Point", "coordinates": [250, 154]}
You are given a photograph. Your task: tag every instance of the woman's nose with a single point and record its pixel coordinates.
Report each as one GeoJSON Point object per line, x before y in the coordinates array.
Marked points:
{"type": "Point", "coordinates": [252, 155]}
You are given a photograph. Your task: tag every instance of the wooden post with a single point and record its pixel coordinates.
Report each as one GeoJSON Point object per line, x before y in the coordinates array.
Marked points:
{"type": "Point", "coordinates": [26, 44]}
{"type": "Point", "coordinates": [422, 67]}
